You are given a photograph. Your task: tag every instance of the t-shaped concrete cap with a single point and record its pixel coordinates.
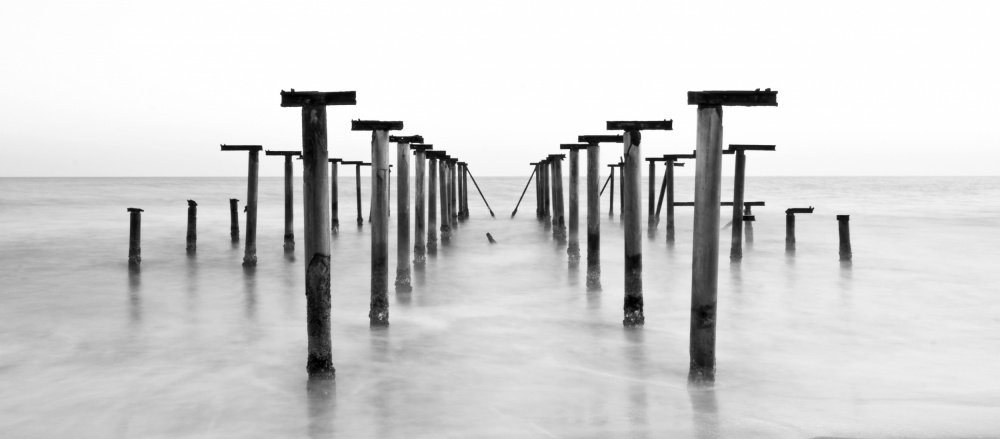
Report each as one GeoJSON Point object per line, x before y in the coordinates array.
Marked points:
{"type": "Point", "coordinates": [285, 153]}
{"type": "Point", "coordinates": [636, 125]}
{"type": "Point", "coordinates": [241, 147]}
{"type": "Point", "coordinates": [601, 138]}
{"type": "Point", "coordinates": [407, 139]}
{"type": "Point", "coordinates": [376, 125]}
{"type": "Point", "coordinates": [306, 98]}
{"type": "Point", "coordinates": [756, 98]}
{"type": "Point", "coordinates": [134, 209]}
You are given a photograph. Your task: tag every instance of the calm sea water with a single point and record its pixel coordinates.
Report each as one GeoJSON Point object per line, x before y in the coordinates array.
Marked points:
{"type": "Point", "coordinates": [499, 340]}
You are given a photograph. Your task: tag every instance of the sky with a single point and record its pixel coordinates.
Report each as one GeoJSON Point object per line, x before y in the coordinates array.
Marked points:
{"type": "Point", "coordinates": [151, 88]}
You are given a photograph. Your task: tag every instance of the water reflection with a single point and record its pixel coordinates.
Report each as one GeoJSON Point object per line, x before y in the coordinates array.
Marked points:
{"type": "Point", "coordinates": [134, 295]}
{"type": "Point", "coordinates": [382, 391]}
{"type": "Point", "coordinates": [191, 281]}
{"type": "Point", "coordinates": [250, 292]}
{"type": "Point", "coordinates": [705, 409]}
{"type": "Point", "coordinates": [321, 392]}
{"type": "Point", "coordinates": [846, 276]}
{"type": "Point", "coordinates": [638, 401]}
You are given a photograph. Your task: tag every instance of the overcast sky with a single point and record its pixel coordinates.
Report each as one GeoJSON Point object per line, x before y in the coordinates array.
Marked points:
{"type": "Point", "coordinates": [141, 88]}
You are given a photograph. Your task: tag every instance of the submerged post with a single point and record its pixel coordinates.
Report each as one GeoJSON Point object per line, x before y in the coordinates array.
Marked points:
{"type": "Point", "coordinates": [843, 222]}
{"type": "Point", "coordinates": [453, 188]}
{"type": "Point", "coordinates": [736, 247]}
{"type": "Point", "coordinates": [250, 252]}
{"type": "Point", "coordinates": [708, 191]}
{"type": "Point", "coordinates": [357, 183]}
{"type": "Point", "coordinates": [558, 214]}
{"type": "Point", "coordinates": [573, 249]}
{"type": "Point", "coordinates": [465, 191]}
{"type": "Point", "coordinates": [403, 210]}
{"type": "Point", "coordinates": [134, 236]}
{"type": "Point", "coordinates": [749, 219]}
{"type": "Point", "coordinates": [379, 312]}
{"type": "Point", "coordinates": [462, 181]}
{"type": "Point", "coordinates": [234, 220]}
{"type": "Point", "coordinates": [316, 220]}
{"type": "Point", "coordinates": [289, 211]}
{"type": "Point", "coordinates": [653, 215]}
{"type": "Point", "coordinates": [538, 189]}
{"type": "Point", "coordinates": [420, 206]}
{"type": "Point", "coordinates": [594, 205]}
{"type": "Point", "coordinates": [790, 225]}
{"type": "Point", "coordinates": [192, 229]}
{"type": "Point", "coordinates": [334, 197]}
{"type": "Point", "coordinates": [611, 203]}
{"type": "Point", "coordinates": [546, 191]}
{"type": "Point", "coordinates": [432, 184]}
{"type": "Point", "coordinates": [443, 180]}
{"type": "Point", "coordinates": [747, 225]}
{"type": "Point", "coordinates": [632, 213]}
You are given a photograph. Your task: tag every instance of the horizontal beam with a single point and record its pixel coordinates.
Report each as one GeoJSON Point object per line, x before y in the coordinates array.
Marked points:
{"type": "Point", "coordinates": [463, 163]}
{"type": "Point", "coordinates": [241, 147]}
{"type": "Point", "coordinates": [407, 139]}
{"type": "Point", "coordinates": [559, 156]}
{"type": "Point", "coordinates": [601, 138]}
{"type": "Point", "coordinates": [573, 145]}
{"type": "Point", "coordinates": [358, 163]}
{"type": "Point", "coordinates": [678, 164]}
{"type": "Point", "coordinates": [269, 152]}
{"type": "Point", "coordinates": [376, 125]}
{"type": "Point", "coordinates": [739, 98]}
{"type": "Point", "coordinates": [843, 217]}
{"type": "Point", "coordinates": [134, 209]}
{"type": "Point", "coordinates": [616, 165]}
{"type": "Point", "coordinates": [724, 203]}
{"type": "Point", "coordinates": [752, 147]}
{"type": "Point", "coordinates": [633, 125]}
{"type": "Point", "coordinates": [335, 160]}
{"type": "Point", "coordinates": [795, 210]}
{"type": "Point", "coordinates": [655, 159]}
{"type": "Point", "coordinates": [303, 98]}
{"type": "Point", "coordinates": [678, 156]}
{"type": "Point", "coordinates": [421, 146]}
{"type": "Point", "coordinates": [748, 218]}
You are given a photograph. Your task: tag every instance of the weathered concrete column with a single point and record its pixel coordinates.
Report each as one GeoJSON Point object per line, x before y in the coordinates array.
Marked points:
{"type": "Point", "coordinates": [403, 210]}
{"type": "Point", "coordinates": [651, 219]}
{"type": "Point", "coordinates": [611, 203]}
{"type": "Point", "coordinates": [668, 181]}
{"type": "Point", "coordinates": [736, 248]}
{"type": "Point", "coordinates": [234, 220]}
{"type": "Point", "coordinates": [546, 191]}
{"type": "Point", "coordinates": [432, 185]}
{"type": "Point", "coordinates": [192, 229]}
{"type": "Point", "coordinates": [573, 249]}
{"type": "Point", "coordinates": [357, 183]}
{"type": "Point", "coordinates": [790, 225]}
{"type": "Point", "coordinates": [289, 211]}
{"type": "Point", "coordinates": [334, 196]}
{"type": "Point", "coordinates": [632, 213]}
{"type": "Point", "coordinates": [443, 181]}
{"type": "Point", "coordinates": [461, 189]}
{"type": "Point", "coordinates": [453, 188]}
{"type": "Point", "coordinates": [250, 252]}
{"type": "Point", "coordinates": [465, 190]}
{"type": "Point", "coordinates": [316, 221]}
{"type": "Point", "coordinates": [843, 222]}
{"type": "Point", "coordinates": [379, 313]}
{"type": "Point", "coordinates": [621, 189]}
{"type": "Point", "coordinates": [134, 236]}
{"type": "Point", "coordinates": [420, 206]}
{"type": "Point", "coordinates": [708, 191]}
{"type": "Point", "coordinates": [538, 189]}
{"type": "Point", "coordinates": [558, 204]}
{"type": "Point", "coordinates": [594, 206]}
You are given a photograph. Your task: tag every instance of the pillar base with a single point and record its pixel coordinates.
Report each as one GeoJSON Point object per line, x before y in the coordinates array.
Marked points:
{"type": "Point", "coordinates": [419, 256]}
{"type": "Point", "coordinates": [320, 367]}
{"type": "Point", "coordinates": [134, 260]}
{"type": "Point", "coordinates": [573, 250]}
{"type": "Point", "coordinates": [403, 280]}
{"type": "Point", "coordinates": [700, 376]}
{"type": "Point", "coordinates": [335, 227]}
{"type": "Point", "coordinates": [633, 311]}
{"type": "Point", "coordinates": [289, 242]}
{"type": "Point", "coordinates": [361, 222]}
{"type": "Point", "coordinates": [250, 259]}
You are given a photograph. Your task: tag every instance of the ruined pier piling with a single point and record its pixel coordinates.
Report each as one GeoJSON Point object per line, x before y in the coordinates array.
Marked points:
{"type": "Point", "coordinates": [250, 251]}
{"type": "Point", "coordinates": [463, 187]}
{"type": "Point", "coordinates": [558, 204]}
{"type": "Point", "coordinates": [573, 249]}
{"type": "Point", "coordinates": [611, 179]}
{"type": "Point", "coordinates": [192, 227]}
{"type": "Point", "coordinates": [134, 236]}
{"type": "Point", "coordinates": [453, 192]}
{"type": "Point", "coordinates": [289, 211]}
{"type": "Point", "coordinates": [334, 196]}
{"type": "Point", "coordinates": [403, 210]}
{"type": "Point", "coordinates": [543, 166]}
{"type": "Point", "coordinates": [420, 204]}
{"type": "Point", "coordinates": [432, 188]}
{"type": "Point", "coordinates": [652, 214]}
{"type": "Point", "coordinates": [234, 221]}
{"type": "Point", "coordinates": [357, 184]}
{"type": "Point", "coordinates": [736, 246]}
{"type": "Point", "coordinates": [443, 182]}
{"type": "Point", "coordinates": [538, 189]}
{"type": "Point", "coordinates": [790, 226]}
{"type": "Point", "coordinates": [632, 213]}
{"type": "Point", "coordinates": [594, 205]}
{"type": "Point", "coordinates": [316, 220]}
{"type": "Point", "coordinates": [708, 191]}
{"type": "Point", "coordinates": [668, 187]}
{"type": "Point", "coordinates": [378, 314]}
{"type": "Point", "coordinates": [844, 227]}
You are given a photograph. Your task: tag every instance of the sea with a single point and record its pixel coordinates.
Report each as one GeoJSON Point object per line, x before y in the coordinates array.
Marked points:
{"type": "Point", "coordinates": [500, 340]}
